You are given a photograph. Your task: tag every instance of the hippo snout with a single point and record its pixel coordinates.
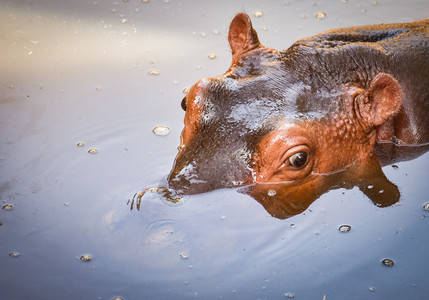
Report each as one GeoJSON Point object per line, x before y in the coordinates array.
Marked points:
{"type": "Point", "coordinates": [194, 176]}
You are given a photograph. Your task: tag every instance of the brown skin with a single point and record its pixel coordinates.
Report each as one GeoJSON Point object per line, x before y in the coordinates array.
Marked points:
{"type": "Point", "coordinates": [293, 120]}
{"type": "Point", "coordinates": [368, 109]}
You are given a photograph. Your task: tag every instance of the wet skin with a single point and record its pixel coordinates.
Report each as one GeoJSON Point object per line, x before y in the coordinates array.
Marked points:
{"type": "Point", "coordinates": [291, 120]}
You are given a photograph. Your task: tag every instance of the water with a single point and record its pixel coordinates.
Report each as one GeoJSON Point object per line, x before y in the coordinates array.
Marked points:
{"type": "Point", "coordinates": [74, 72]}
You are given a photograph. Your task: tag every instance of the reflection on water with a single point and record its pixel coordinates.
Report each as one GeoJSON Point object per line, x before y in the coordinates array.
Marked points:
{"type": "Point", "coordinates": [74, 72]}
{"type": "Point", "coordinates": [283, 200]}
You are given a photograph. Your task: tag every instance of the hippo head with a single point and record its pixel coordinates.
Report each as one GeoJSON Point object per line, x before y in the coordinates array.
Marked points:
{"type": "Point", "coordinates": [278, 116]}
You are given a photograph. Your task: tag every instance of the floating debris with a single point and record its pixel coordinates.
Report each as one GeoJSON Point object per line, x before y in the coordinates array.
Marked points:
{"type": "Point", "coordinates": [14, 254]}
{"type": "Point", "coordinates": [264, 28]}
{"type": "Point", "coordinates": [223, 217]}
{"type": "Point", "coordinates": [183, 255]}
{"type": "Point", "coordinates": [395, 167]}
{"type": "Point", "coordinates": [292, 225]}
{"type": "Point", "coordinates": [364, 11]}
{"type": "Point", "coordinates": [118, 298]}
{"type": "Point", "coordinates": [271, 193]}
{"type": "Point", "coordinates": [344, 228]}
{"type": "Point", "coordinates": [372, 289]}
{"type": "Point", "coordinates": [86, 257]}
{"type": "Point", "coordinates": [161, 130]}
{"type": "Point", "coordinates": [320, 15]}
{"type": "Point", "coordinates": [8, 207]}
{"type": "Point", "coordinates": [426, 206]}
{"type": "Point", "coordinates": [258, 13]}
{"type": "Point", "coordinates": [145, 1]}
{"type": "Point", "coordinates": [290, 295]}
{"type": "Point", "coordinates": [216, 32]}
{"type": "Point", "coordinates": [80, 144]}
{"type": "Point", "coordinates": [93, 151]}
{"type": "Point", "coordinates": [212, 56]}
{"type": "Point", "coordinates": [375, 2]}
{"type": "Point", "coordinates": [154, 72]}
{"type": "Point", "coordinates": [124, 21]}
{"type": "Point", "coordinates": [388, 262]}
{"type": "Point", "coordinates": [168, 195]}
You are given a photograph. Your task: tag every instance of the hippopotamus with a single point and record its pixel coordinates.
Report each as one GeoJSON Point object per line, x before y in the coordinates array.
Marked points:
{"type": "Point", "coordinates": [287, 121]}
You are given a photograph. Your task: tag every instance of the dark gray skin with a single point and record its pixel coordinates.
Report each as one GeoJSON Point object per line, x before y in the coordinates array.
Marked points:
{"type": "Point", "coordinates": [313, 109]}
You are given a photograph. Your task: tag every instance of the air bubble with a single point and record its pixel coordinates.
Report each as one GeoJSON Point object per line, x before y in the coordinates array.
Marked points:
{"type": "Point", "coordinates": [388, 262]}
{"type": "Point", "coordinates": [271, 193]}
{"type": "Point", "coordinates": [426, 206]}
{"type": "Point", "coordinates": [183, 255]}
{"type": "Point", "coordinates": [258, 13]}
{"type": "Point", "coordinates": [93, 151]}
{"type": "Point", "coordinates": [370, 186]}
{"type": "Point", "coordinates": [292, 225]}
{"type": "Point", "coordinates": [320, 15]}
{"type": "Point", "coordinates": [154, 72]}
{"type": "Point", "coordinates": [344, 228]}
{"type": "Point", "coordinates": [8, 207]}
{"type": "Point", "coordinates": [216, 32]}
{"type": "Point", "coordinates": [264, 28]}
{"type": "Point", "coordinates": [161, 130]}
{"type": "Point", "coordinates": [372, 289]}
{"type": "Point", "coordinates": [86, 257]}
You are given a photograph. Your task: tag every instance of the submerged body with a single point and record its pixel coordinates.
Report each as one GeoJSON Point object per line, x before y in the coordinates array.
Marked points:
{"type": "Point", "coordinates": [305, 112]}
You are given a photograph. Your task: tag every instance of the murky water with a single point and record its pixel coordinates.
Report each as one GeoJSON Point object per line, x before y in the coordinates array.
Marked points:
{"type": "Point", "coordinates": [83, 85]}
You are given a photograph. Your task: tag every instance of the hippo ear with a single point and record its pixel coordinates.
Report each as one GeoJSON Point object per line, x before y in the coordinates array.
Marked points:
{"type": "Point", "coordinates": [379, 102]}
{"type": "Point", "coordinates": [242, 37]}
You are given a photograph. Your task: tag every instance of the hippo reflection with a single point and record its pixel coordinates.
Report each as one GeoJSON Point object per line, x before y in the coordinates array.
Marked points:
{"type": "Point", "coordinates": [296, 121]}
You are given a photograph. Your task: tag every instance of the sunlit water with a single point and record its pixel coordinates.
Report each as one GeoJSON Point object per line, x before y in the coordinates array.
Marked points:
{"type": "Point", "coordinates": [105, 74]}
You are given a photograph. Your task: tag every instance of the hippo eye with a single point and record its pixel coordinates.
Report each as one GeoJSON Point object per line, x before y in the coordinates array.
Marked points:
{"type": "Point", "coordinates": [298, 160]}
{"type": "Point", "coordinates": [183, 104]}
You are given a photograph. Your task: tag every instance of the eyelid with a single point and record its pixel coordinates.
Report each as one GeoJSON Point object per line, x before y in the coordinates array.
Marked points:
{"type": "Point", "coordinates": [293, 150]}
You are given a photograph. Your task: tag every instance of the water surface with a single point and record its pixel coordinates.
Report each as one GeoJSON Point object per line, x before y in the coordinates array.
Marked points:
{"type": "Point", "coordinates": [79, 72]}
